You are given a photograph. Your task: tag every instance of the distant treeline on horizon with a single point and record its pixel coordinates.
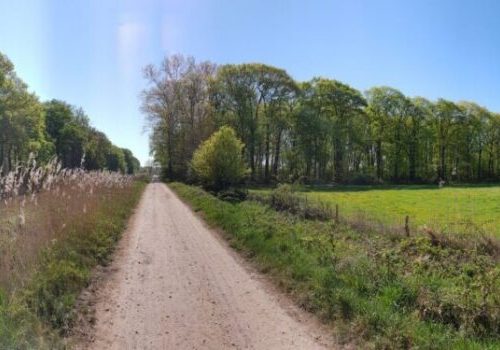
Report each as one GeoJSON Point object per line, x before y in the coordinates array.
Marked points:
{"type": "Point", "coordinates": [51, 129]}
{"type": "Point", "coordinates": [321, 130]}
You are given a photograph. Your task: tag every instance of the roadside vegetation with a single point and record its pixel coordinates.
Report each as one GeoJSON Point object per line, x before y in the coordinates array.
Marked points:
{"type": "Point", "coordinates": [218, 163]}
{"type": "Point", "coordinates": [380, 290]}
{"type": "Point", "coordinates": [460, 209]}
{"type": "Point", "coordinates": [64, 201]}
{"type": "Point", "coordinates": [56, 224]}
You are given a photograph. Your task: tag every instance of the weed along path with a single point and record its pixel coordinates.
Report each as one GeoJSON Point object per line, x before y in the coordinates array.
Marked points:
{"type": "Point", "coordinates": [174, 284]}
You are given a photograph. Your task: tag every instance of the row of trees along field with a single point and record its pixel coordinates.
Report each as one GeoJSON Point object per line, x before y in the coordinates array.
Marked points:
{"type": "Point", "coordinates": [48, 129]}
{"type": "Point", "coordinates": [319, 130]}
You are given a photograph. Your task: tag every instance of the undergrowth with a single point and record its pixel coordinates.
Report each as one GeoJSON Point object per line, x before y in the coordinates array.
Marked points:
{"type": "Point", "coordinates": [380, 290]}
{"type": "Point", "coordinates": [38, 310]}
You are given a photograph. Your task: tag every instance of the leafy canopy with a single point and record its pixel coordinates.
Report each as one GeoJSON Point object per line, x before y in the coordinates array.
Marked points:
{"type": "Point", "coordinates": [218, 162]}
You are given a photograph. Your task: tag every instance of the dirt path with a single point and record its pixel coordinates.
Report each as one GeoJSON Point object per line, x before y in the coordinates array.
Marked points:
{"type": "Point", "coordinates": [175, 285]}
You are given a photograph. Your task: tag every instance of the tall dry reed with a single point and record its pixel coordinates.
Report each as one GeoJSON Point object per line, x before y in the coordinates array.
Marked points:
{"type": "Point", "coordinates": [38, 206]}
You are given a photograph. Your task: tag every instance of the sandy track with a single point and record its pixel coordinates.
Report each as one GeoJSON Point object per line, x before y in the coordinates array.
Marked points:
{"type": "Point", "coordinates": [176, 285]}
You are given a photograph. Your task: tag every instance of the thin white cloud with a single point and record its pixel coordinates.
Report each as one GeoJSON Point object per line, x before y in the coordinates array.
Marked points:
{"type": "Point", "coordinates": [131, 37]}
{"type": "Point", "coordinates": [171, 34]}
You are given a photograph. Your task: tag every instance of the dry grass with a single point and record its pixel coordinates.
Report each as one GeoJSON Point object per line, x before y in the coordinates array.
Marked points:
{"type": "Point", "coordinates": [37, 205]}
{"type": "Point", "coordinates": [56, 225]}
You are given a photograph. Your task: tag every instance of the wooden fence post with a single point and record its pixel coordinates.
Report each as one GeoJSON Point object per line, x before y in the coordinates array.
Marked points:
{"type": "Point", "coordinates": [407, 226]}
{"type": "Point", "coordinates": [336, 213]}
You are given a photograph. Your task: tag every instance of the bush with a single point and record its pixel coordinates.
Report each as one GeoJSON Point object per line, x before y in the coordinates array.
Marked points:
{"type": "Point", "coordinates": [364, 179]}
{"type": "Point", "coordinates": [284, 198]}
{"type": "Point", "coordinates": [233, 195]}
{"type": "Point", "coordinates": [218, 162]}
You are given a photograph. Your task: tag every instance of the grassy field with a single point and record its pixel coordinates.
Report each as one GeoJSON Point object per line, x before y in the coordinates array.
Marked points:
{"type": "Point", "coordinates": [452, 209]}
{"type": "Point", "coordinates": [380, 290]}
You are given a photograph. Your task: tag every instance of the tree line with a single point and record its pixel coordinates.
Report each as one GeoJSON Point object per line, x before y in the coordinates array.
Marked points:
{"type": "Point", "coordinates": [49, 129]}
{"type": "Point", "coordinates": [321, 130]}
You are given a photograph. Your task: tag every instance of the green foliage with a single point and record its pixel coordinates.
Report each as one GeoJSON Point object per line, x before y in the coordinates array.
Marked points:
{"type": "Point", "coordinates": [254, 100]}
{"type": "Point", "coordinates": [339, 109]}
{"type": "Point", "coordinates": [96, 151]}
{"type": "Point", "coordinates": [382, 291]}
{"type": "Point", "coordinates": [71, 145]}
{"type": "Point", "coordinates": [22, 124]}
{"type": "Point", "coordinates": [49, 129]}
{"type": "Point", "coordinates": [116, 160]}
{"type": "Point", "coordinates": [57, 115]}
{"type": "Point", "coordinates": [218, 162]}
{"type": "Point", "coordinates": [132, 164]}
{"type": "Point", "coordinates": [178, 110]}
{"type": "Point", "coordinates": [54, 290]}
{"type": "Point", "coordinates": [319, 131]}
{"type": "Point", "coordinates": [75, 141]}
{"type": "Point", "coordinates": [233, 195]}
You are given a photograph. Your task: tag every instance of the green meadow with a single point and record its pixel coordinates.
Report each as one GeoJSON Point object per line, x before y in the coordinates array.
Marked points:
{"type": "Point", "coordinates": [455, 209]}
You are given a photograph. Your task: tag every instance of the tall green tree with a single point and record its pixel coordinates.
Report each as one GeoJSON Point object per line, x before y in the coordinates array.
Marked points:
{"type": "Point", "coordinates": [177, 106]}
{"type": "Point", "coordinates": [21, 119]}
{"type": "Point", "coordinates": [321, 130]}
{"type": "Point", "coordinates": [341, 105]}
{"type": "Point", "coordinates": [389, 110]}
{"type": "Point", "coordinates": [418, 111]}
{"type": "Point", "coordinates": [132, 164]}
{"type": "Point", "coordinates": [254, 99]}
{"type": "Point", "coordinates": [97, 149]}
{"type": "Point", "coordinates": [46, 130]}
{"type": "Point", "coordinates": [446, 117]}
{"type": "Point", "coordinates": [116, 160]}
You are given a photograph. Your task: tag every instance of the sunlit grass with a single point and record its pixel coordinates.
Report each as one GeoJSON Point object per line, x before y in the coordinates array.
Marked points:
{"type": "Point", "coordinates": [453, 209]}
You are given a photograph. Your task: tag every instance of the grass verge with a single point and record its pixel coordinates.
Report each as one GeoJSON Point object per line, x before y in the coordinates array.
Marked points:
{"type": "Point", "coordinates": [36, 313]}
{"type": "Point", "coordinates": [380, 290]}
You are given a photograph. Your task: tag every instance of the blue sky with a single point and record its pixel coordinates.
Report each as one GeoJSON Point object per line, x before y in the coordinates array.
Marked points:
{"type": "Point", "coordinates": [90, 52]}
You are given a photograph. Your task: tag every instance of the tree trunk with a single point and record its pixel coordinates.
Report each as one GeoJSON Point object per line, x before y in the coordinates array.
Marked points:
{"type": "Point", "coordinates": [251, 154]}
{"type": "Point", "coordinates": [479, 161]}
{"type": "Point", "coordinates": [412, 161]}
{"type": "Point", "coordinates": [2, 159]}
{"type": "Point", "coordinates": [338, 161]}
{"type": "Point", "coordinates": [379, 160]}
{"type": "Point", "coordinates": [267, 154]}
{"type": "Point", "coordinates": [442, 167]}
{"type": "Point", "coordinates": [277, 151]}
{"type": "Point", "coordinates": [395, 175]}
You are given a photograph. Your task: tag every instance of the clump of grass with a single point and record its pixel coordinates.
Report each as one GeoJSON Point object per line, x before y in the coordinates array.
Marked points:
{"type": "Point", "coordinates": [55, 225]}
{"type": "Point", "coordinates": [380, 290]}
{"type": "Point", "coordinates": [284, 198]}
